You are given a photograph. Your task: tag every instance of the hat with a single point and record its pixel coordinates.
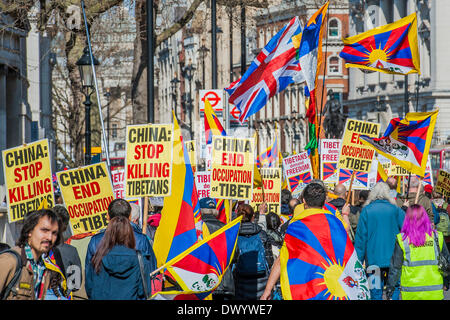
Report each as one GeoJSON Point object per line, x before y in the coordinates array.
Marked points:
{"type": "Point", "coordinates": [154, 219]}
{"type": "Point", "coordinates": [208, 203]}
{"type": "Point", "coordinates": [428, 188]}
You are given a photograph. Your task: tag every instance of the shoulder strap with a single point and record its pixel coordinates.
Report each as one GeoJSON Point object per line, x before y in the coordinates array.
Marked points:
{"type": "Point", "coordinates": [141, 267]}
{"type": "Point", "coordinates": [10, 287]}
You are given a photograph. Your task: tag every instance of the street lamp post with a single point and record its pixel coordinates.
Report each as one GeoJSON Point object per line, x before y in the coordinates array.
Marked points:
{"type": "Point", "coordinates": [87, 81]}
{"type": "Point", "coordinates": [188, 74]}
{"type": "Point", "coordinates": [173, 84]}
{"type": "Point", "coordinates": [203, 50]}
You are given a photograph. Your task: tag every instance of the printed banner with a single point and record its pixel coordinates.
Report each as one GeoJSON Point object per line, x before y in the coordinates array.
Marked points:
{"type": "Point", "coordinates": [354, 154]}
{"type": "Point", "coordinates": [148, 166]}
{"type": "Point", "coordinates": [272, 190]}
{"type": "Point", "coordinates": [232, 168]}
{"type": "Point", "coordinates": [28, 178]}
{"type": "Point", "coordinates": [87, 192]}
{"type": "Point", "coordinates": [360, 181]}
{"type": "Point", "coordinates": [298, 172]}
{"type": "Point", "coordinates": [203, 183]}
{"type": "Point", "coordinates": [443, 183]}
{"type": "Point", "coordinates": [329, 156]}
{"type": "Point", "coordinates": [118, 181]}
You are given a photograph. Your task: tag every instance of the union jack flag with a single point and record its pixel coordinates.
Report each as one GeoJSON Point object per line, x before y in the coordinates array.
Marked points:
{"type": "Point", "coordinates": [270, 72]}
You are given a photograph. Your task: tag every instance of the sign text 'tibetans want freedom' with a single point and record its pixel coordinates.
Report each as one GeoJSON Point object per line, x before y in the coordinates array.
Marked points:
{"type": "Point", "coordinates": [28, 178]}
{"type": "Point", "coordinates": [232, 168]}
{"type": "Point", "coordinates": [148, 167]}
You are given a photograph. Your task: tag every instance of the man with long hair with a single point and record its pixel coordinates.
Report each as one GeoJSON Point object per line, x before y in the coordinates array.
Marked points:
{"type": "Point", "coordinates": [415, 258]}
{"type": "Point", "coordinates": [40, 232]}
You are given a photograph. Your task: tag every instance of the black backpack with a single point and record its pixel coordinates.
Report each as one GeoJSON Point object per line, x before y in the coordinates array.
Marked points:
{"type": "Point", "coordinates": [10, 287]}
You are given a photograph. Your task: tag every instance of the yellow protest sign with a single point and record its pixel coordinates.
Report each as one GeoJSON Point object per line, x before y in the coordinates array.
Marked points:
{"type": "Point", "coordinates": [443, 183]}
{"type": "Point", "coordinates": [192, 153]}
{"type": "Point", "coordinates": [272, 190]}
{"type": "Point", "coordinates": [353, 154]}
{"type": "Point", "coordinates": [232, 168]}
{"type": "Point", "coordinates": [397, 170]}
{"type": "Point", "coordinates": [28, 178]}
{"type": "Point", "coordinates": [148, 164]}
{"type": "Point", "coordinates": [87, 192]}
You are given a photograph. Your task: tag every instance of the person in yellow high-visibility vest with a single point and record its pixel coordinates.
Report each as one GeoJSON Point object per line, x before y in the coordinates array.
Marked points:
{"type": "Point", "coordinates": [415, 258]}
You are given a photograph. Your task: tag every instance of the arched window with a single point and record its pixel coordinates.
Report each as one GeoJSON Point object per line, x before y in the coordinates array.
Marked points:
{"type": "Point", "coordinates": [334, 65]}
{"type": "Point", "coordinates": [334, 28]}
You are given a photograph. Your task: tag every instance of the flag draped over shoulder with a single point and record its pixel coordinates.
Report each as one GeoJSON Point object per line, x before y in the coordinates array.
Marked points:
{"type": "Point", "coordinates": [199, 270]}
{"type": "Point", "coordinates": [213, 127]}
{"type": "Point", "coordinates": [273, 69]}
{"type": "Point", "coordinates": [407, 141]}
{"type": "Point", "coordinates": [319, 262]}
{"type": "Point", "coordinates": [392, 48]}
{"type": "Point", "coordinates": [309, 53]}
{"type": "Point", "coordinates": [177, 230]}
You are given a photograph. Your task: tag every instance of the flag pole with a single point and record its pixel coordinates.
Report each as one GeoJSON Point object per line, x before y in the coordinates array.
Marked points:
{"type": "Point", "coordinates": [319, 125]}
{"type": "Point", "coordinates": [105, 141]}
{"type": "Point", "coordinates": [350, 188]}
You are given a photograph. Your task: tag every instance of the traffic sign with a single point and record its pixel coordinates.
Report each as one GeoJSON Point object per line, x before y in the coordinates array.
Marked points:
{"type": "Point", "coordinates": [215, 97]}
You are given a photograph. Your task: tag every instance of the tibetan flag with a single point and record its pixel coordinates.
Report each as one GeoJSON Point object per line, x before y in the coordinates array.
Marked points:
{"type": "Point", "coordinates": [392, 48]}
{"type": "Point", "coordinates": [177, 229]}
{"type": "Point", "coordinates": [318, 260]}
{"type": "Point", "coordinates": [269, 158]}
{"type": "Point", "coordinates": [309, 52]}
{"type": "Point", "coordinates": [329, 170]}
{"type": "Point", "coordinates": [346, 174]}
{"type": "Point", "coordinates": [199, 269]}
{"type": "Point", "coordinates": [381, 174]}
{"type": "Point", "coordinates": [213, 127]}
{"type": "Point", "coordinates": [301, 179]}
{"type": "Point", "coordinates": [407, 141]}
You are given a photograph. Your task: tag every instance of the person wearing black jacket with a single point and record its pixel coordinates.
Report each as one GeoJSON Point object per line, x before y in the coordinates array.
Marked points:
{"type": "Point", "coordinates": [225, 290]}
{"type": "Point", "coordinates": [250, 286]}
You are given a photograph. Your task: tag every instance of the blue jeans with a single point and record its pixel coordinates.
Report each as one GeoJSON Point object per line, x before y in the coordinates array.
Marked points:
{"type": "Point", "coordinates": [379, 280]}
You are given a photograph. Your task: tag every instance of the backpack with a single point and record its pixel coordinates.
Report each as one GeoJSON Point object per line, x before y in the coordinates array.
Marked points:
{"type": "Point", "coordinates": [252, 256]}
{"type": "Point", "coordinates": [5, 292]}
{"type": "Point", "coordinates": [444, 223]}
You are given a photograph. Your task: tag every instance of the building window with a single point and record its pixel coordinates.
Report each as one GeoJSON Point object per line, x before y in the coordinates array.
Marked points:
{"type": "Point", "coordinates": [334, 66]}
{"type": "Point", "coordinates": [114, 130]}
{"type": "Point", "coordinates": [333, 28]}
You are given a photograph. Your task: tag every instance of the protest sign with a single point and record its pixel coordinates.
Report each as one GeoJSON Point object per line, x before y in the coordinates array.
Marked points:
{"type": "Point", "coordinates": [232, 168]}
{"type": "Point", "coordinates": [192, 153]}
{"type": "Point", "coordinates": [443, 183]}
{"type": "Point", "coordinates": [272, 190]}
{"type": "Point", "coordinates": [353, 154]}
{"type": "Point", "coordinates": [298, 172]}
{"type": "Point", "coordinates": [329, 155]}
{"type": "Point", "coordinates": [87, 192]}
{"type": "Point", "coordinates": [148, 166]}
{"type": "Point", "coordinates": [360, 180]}
{"type": "Point", "coordinates": [28, 178]}
{"type": "Point", "coordinates": [118, 181]}
{"type": "Point", "coordinates": [203, 183]}
{"type": "Point", "coordinates": [397, 170]}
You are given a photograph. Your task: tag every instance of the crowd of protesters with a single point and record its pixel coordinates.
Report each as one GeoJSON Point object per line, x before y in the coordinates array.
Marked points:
{"type": "Point", "coordinates": [406, 236]}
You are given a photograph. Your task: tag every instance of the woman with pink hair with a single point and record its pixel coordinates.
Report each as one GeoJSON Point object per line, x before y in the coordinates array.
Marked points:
{"type": "Point", "coordinates": [415, 258]}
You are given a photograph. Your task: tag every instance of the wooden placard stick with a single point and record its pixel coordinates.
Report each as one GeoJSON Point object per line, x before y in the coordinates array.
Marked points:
{"type": "Point", "coordinates": [350, 188]}
{"type": "Point", "coordinates": [145, 216]}
{"type": "Point", "coordinates": [418, 190]}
